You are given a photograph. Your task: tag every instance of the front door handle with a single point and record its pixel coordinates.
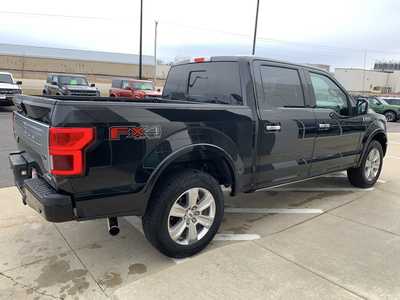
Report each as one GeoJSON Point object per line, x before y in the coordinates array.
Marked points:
{"type": "Point", "coordinates": [274, 127]}
{"type": "Point", "coordinates": [324, 125]}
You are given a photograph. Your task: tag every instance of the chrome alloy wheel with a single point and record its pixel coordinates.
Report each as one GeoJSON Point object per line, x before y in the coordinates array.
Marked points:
{"type": "Point", "coordinates": [191, 216]}
{"type": "Point", "coordinates": [372, 164]}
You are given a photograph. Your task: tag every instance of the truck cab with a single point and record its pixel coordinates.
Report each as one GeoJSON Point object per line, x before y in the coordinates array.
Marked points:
{"type": "Point", "coordinates": [133, 88]}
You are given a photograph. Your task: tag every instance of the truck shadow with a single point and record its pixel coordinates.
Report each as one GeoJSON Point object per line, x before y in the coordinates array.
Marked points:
{"type": "Point", "coordinates": [291, 205]}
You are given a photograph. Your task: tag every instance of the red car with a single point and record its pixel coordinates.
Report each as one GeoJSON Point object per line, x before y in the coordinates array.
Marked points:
{"type": "Point", "coordinates": [133, 88]}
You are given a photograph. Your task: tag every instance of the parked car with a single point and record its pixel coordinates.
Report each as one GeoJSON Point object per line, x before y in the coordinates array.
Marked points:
{"type": "Point", "coordinates": [246, 123]}
{"type": "Point", "coordinates": [390, 111]}
{"type": "Point", "coordinates": [8, 88]}
{"type": "Point", "coordinates": [133, 88]}
{"type": "Point", "coordinates": [392, 101]}
{"type": "Point", "coordinates": [69, 84]}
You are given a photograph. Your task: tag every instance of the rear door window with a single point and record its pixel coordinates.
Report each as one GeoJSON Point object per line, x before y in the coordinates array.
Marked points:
{"type": "Point", "coordinates": [282, 87]}
{"type": "Point", "coordinates": [212, 82]}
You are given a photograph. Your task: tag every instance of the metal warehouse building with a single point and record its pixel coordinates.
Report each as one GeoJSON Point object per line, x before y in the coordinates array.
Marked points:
{"type": "Point", "coordinates": [369, 81]}
{"type": "Point", "coordinates": [31, 64]}
{"type": "Point", "coordinates": [35, 62]}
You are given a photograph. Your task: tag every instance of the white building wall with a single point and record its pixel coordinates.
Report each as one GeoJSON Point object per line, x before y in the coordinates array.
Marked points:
{"type": "Point", "coordinates": [394, 81]}
{"type": "Point", "coordinates": [352, 79]}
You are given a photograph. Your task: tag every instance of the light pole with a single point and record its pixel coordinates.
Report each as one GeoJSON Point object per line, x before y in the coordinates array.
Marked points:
{"type": "Point", "coordinates": [140, 39]}
{"type": "Point", "coordinates": [255, 29]}
{"type": "Point", "coordinates": [155, 50]}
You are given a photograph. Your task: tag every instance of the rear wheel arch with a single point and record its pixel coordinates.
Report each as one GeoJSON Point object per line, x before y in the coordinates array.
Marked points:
{"type": "Point", "coordinates": [206, 158]}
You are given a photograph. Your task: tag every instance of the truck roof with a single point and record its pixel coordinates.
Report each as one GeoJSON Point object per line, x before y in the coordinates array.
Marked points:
{"type": "Point", "coordinates": [5, 73]}
{"type": "Point", "coordinates": [250, 58]}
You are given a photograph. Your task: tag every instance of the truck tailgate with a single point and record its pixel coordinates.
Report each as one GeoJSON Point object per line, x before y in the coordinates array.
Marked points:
{"type": "Point", "coordinates": [31, 130]}
{"type": "Point", "coordinates": [33, 137]}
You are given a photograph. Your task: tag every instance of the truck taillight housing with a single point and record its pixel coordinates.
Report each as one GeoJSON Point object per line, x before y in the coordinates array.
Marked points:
{"type": "Point", "coordinates": [66, 149]}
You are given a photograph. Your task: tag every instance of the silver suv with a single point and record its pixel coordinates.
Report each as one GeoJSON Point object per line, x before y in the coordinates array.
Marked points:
{"type": "Point", "coordinates": [8, 88]}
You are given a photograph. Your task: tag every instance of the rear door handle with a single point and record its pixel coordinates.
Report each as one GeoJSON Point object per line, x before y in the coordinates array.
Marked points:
{"type": "Point", "coordinates": [274, 127]}
{"type": "Point", "coordinates": [324, 125]}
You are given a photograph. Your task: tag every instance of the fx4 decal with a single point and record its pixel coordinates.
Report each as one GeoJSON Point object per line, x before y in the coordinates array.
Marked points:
{"type": "Point", "coordinates": [135, 132]}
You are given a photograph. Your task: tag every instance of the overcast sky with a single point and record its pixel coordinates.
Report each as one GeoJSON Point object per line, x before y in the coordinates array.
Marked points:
{"type": "Point", "coordinates": [307, 31]}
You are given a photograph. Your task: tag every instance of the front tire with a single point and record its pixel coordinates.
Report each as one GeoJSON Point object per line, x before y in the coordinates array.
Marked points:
{"type": "Point", "coordinates": [184, 213]}
{"type": "Point", "coordinates": [368, 172]}
{"type": "Point", "coordinates": [390, 116]}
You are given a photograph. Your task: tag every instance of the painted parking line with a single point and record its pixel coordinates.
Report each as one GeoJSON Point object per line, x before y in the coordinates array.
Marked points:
{"type": "Point", "coordinates": [236, 237]}
{"type": "Point", "coordinates": [136, 222]}
{"type": "Point", "coordinates": [240, 210]}
{"type": "Point", "coordinates": [224, 237]}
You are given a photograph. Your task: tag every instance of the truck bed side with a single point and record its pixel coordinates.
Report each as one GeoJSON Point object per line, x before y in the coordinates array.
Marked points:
{"type": "Point", "coordinates": [117, 169]}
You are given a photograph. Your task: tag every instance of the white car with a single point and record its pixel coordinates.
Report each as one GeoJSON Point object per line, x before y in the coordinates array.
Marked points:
{"type": "Point", "coordinates": [8, 88]}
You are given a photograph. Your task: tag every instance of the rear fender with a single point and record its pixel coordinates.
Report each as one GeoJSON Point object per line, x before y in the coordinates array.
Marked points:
{"type": "Point", "coordinates": [202, 149]}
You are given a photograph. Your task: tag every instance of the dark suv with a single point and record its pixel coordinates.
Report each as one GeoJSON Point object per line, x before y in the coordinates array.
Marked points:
{"type": "Point", "coordinates": [69, 84]}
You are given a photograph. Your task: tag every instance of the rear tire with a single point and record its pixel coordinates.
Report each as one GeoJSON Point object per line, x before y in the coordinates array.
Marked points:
{"type": "Point", "coordinates": [368, 172]}
{"type": "Point", "coordinates": [178, 221]}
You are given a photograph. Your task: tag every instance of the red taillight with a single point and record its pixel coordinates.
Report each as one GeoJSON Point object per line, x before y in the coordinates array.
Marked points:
{"type": "Point", "coordinates": [66, 147]}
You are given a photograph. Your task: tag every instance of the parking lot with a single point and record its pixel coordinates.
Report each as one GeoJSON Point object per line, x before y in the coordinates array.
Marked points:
{"type": "Point", "coordinates": [318, 239]}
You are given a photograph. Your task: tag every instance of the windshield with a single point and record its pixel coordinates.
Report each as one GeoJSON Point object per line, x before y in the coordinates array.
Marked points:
{"type": "Point", "coordinates": [383, 101]}
{"type": "Point", "coordinates": [71, 80]}
{"type": "Point", "coordinates": [6, 78]}
{"type": "Point", "coordinates": [143, 86]}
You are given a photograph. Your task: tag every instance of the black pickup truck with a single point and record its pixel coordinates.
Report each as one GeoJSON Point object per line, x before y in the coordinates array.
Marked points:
{"type": "Point", "coordinates": [241, 122]}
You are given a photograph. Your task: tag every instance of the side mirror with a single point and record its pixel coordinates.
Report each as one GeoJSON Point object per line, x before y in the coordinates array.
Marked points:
{"type": "Point", "coordinates": [54, 83]}
{"type": "Point", "coordinates": [19, 82]}
{"type": "Point", "coordinates": [362, 107]}
{"type": "Point", "coordinates": [92, 85]}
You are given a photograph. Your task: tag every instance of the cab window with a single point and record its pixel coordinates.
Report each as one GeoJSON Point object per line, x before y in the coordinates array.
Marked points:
{"type": "Point", "coordinates": [328, 95]}
{"type": "Point", "coordinates": [211, 82]}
